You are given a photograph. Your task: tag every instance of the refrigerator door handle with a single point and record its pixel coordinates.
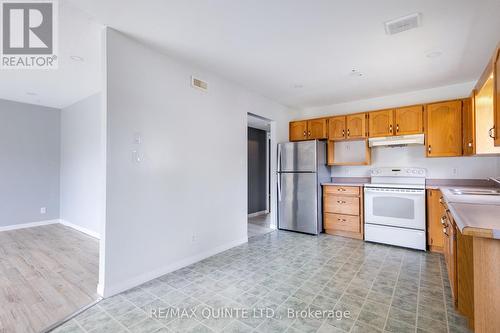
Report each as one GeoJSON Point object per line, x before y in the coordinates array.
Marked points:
{"type": "Point", "coordinates": [279, 158]}
{"type": "Point", "coordinates": [279, 186]}
{"type": "Point", "coordinates": [278, 174]}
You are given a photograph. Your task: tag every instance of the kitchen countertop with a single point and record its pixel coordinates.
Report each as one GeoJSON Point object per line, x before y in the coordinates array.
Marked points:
{"type": "Point", "coordinates": [475, 215]}
{"type": "Point", "coordinates": [343, 184]}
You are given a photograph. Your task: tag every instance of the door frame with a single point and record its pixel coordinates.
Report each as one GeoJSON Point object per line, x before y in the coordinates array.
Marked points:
{"type": "Point", "coordinates": [268, 125]}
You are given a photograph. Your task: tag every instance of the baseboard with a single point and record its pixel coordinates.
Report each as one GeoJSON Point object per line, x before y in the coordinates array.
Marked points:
{"type": "Point", "coordinates": [81, 229]}
{"type": "Point", "coordinates": [28, 225]}
{"type": "Point", "coordinates": [263, 212]}
{"type": "Point", "coordinates": [140, 279]}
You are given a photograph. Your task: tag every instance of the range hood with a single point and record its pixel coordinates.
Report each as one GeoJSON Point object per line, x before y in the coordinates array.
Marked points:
{"type": "Point", "coordinates": [400, 140]}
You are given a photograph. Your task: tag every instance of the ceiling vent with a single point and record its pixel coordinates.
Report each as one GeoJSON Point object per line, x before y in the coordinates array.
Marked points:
{"type": "Point", "coordinates": [404, 23]}
{"type": "Point", "coordinates": [199, 84]}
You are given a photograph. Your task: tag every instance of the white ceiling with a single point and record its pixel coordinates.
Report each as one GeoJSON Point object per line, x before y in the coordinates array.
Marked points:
{"type": "Point", "coordinates": [273, 46]}
{"type": "Point", "coordinates": [270, 46]}
{"type": "Point", "coordinates": [73, 80]}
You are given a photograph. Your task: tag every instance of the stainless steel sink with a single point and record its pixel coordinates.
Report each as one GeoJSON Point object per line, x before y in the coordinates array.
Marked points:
{"type": "Point", "coordinates": [463, 191]}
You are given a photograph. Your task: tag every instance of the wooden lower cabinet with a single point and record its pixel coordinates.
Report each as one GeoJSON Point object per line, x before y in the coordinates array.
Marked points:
{"type": "Point", "coordinates": [465, 276]}
{"type": "Point", "coordinates": [343, 211]}
{"type": "Point", "coordinates": [435, 214]}
{"type": "Point", "coordinates": [458, 251]}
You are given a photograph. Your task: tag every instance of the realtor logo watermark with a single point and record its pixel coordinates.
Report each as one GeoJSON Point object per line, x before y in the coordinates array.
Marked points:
{"type": "Point", "coordinates": [29, 34]}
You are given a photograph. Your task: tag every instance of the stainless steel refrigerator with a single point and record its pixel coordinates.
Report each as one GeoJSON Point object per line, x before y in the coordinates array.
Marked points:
{"type": "Point", "coordinates": [302, 167]}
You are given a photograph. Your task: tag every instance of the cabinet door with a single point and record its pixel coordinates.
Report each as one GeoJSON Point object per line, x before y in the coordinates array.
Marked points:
{"type": "Point", "coordinates": [452, 267]}
{"type": "Point", "coordinates": [496, 96]}
{"type": "Point", "coordinates": [380, 123]}
{"type": "Point", "coordinates": [356, 126]}
{"type": "Point", "coordinates": [444, 129]}
{"type": "Point", "coordinates": [336, 128]}
{"type": "Point", "coordinates": [409, 120]}
{"type": "Point", "coordinates": [317, 129]}
{"type": "Point", "coordinates": [469, 146]}
{"type": "Point", "coordinates": [298, 130]}
{"type": "Point", "coordinates": [435, 213]}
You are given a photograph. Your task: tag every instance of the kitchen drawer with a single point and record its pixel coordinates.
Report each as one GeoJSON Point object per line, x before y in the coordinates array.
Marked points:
{"type": "Point", "coordinates": [341, 205]}
{"type": "Point", "coordinates": [342, 222]}
{"type": "Point", "coordinates": [343, 190]}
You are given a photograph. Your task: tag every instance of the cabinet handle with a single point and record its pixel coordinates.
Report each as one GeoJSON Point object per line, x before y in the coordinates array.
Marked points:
{"type": "Point", "coordinates": [397, 128]}
{"type": "Point", "coordinates": [390, 129]}
{"type": "Point", "coordinates": [444, 232]}
{"type": "Point", "coordinates": [341, 220]}
{"type": "Point", "coordinates": [341, 189]}
{"type": "Point", "coordinates": [340, 202]}
{"type": "Point", "coordinates": [304, 134]}
{"type": "Point", "coordinates": [491, 132]}
{"type": "Point", "coordinates": [348, 132]}
{"type": "Point", "coordinates": [309, 133]}
{"type": "Point", "coordinates": [429, 149]}
{"type": "Point", "coordinates": [441, 200]}
{"type": "Point", "coordinates": [443, 220]}
{"type": "Point", "coordinates": [469, 144]}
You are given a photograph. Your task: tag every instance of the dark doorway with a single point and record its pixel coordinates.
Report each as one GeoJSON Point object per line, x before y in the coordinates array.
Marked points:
{"type": "Point", "coordinates": [257, 170]}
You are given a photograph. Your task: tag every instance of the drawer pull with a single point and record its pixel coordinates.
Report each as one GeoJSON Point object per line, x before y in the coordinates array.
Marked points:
{"type": "Point", "coordinates": [340, 189]}
{"type": "Point", "coordinates": [341, 220]}
{"type": "Point", "coordinates": [444, 232]}
{"type": "Point", "coordinates": [443, 220]}
{"type": "Point", "coordinates": [340, 202]}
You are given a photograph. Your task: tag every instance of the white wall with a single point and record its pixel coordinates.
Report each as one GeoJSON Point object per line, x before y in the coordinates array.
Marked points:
{"type": "Point", "coordinates": [82, 179]}
{"type": "Point", "coordinates": [448, 168]}
{"type": "Point", "coordinates": [29, 162]}
{"type": "Point", "coordinates": [414, 156]}
{"type": "Point", "coordinates": [414, 97]}
{"type": "Point", "coordinates": [187, 198]}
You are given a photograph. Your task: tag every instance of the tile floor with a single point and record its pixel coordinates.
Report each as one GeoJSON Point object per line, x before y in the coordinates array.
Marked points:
{"type": "Point", "coordinates": [260, 225]}
{"type": "Point", "coordinates": [383, 288]}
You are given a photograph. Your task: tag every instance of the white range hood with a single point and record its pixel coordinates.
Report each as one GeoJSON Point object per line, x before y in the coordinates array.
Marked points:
{"type": "Point", "coordinates": [400, 140]}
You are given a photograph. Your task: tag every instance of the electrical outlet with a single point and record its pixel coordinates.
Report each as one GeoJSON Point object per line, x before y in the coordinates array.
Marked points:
{"type": "Point", "coordinates": [43, 210]}
{"type": "Point", "coordinates": [454, 171]}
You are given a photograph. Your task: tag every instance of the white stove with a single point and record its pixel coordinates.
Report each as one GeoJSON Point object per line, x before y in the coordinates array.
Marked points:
{"type": "Point", "coordinates": [395, 207]}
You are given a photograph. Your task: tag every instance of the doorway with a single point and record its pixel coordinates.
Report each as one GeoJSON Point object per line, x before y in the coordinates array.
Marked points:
{"type": "Point", "coordinates": [259, 176]}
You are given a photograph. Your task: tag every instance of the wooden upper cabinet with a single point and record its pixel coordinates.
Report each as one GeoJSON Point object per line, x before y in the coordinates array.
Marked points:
{"type": "Point", "coordinates": [444, 129]}
{"type": "Point", "coordinates": [409, 120]}
{"type": "Point", "coordinates": [496, 96]}
{"type": "Point", "coordinates": [356, 126]}
{"type": "Point", "coordinates": [298, 130]}
{"type": "Point", "coordinates": [468, 126]}
{"type": "Point", "coordinates": [337, 128]}
{"type": "Point", "coordinates": [317, 129]}
{"type": "Point", "coordinates": [380, 123]}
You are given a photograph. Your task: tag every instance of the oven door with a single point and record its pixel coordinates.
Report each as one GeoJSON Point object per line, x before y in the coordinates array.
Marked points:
{"type": "Point", "coordinates": [395, 207]}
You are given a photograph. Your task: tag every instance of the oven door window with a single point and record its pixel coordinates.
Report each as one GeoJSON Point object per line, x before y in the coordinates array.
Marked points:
{"type": "Point", "coordinates": [394, 207]}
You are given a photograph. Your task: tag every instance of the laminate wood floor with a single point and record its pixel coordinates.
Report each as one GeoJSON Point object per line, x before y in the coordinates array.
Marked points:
{"type": "Point", "coordinates": [46, 274]}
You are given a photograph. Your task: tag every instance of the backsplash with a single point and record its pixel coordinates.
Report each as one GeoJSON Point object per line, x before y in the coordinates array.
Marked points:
{"type": "Point", "coordinates": [414, 156]}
